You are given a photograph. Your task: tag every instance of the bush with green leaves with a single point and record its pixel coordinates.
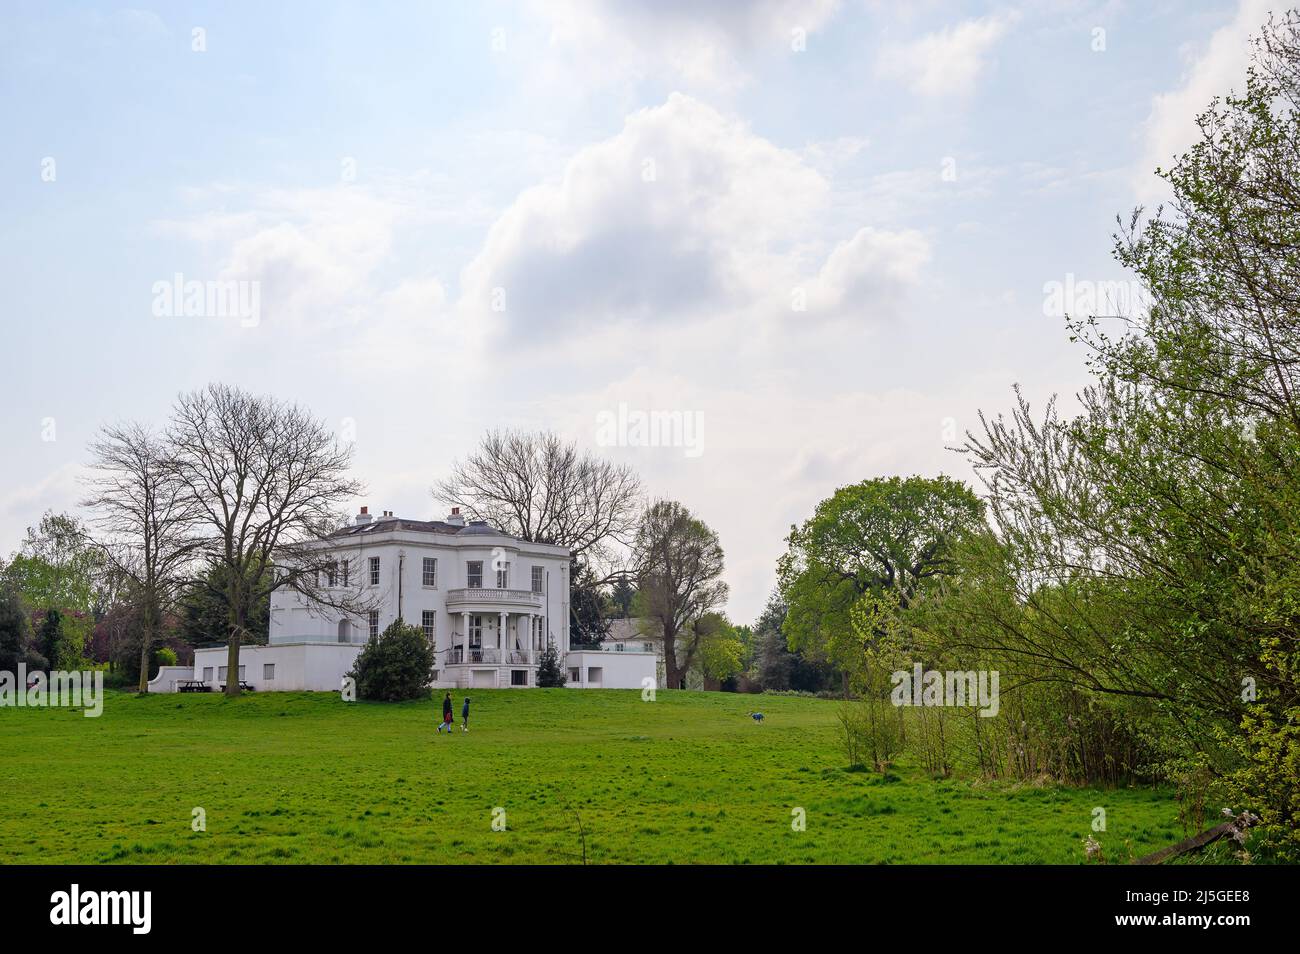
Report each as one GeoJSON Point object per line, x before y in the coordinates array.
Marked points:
{"type": "Point", "coordinates": [550, 672]}
{"type": "Point", "coordinates": [395, 666]}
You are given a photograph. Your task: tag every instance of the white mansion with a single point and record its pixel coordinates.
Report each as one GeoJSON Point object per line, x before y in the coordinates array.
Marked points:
{"type": "Point", "coordinates": [488, 602]}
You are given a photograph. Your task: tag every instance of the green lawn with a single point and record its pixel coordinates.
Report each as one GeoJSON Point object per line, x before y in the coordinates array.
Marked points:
{"type": "Point", "coordinates": [305, 777]}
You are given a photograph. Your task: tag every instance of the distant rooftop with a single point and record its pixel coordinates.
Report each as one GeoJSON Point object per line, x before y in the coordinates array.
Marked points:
{"type": "Point", "coordinates": [454, 525]}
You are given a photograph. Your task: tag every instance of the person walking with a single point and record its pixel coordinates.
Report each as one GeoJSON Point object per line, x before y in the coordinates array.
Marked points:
{"type": "Point", "coordinates": [446, 722]}
{"type": "Point", "coordinates": [464, 716]}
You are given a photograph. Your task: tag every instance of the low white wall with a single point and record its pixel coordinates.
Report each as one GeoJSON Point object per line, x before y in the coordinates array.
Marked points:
{"type": "Point", "coordinates": [165, 681]}
{"type": "Point", "coordinates": [626, 670]}
{"type": "Point", "coordinates": [311, 667]}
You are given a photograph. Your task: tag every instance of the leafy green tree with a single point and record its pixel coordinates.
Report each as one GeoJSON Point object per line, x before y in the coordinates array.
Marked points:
{"type": "Point", "coordinates": [57, 567]}
{"type": "Point", "coordinates": [205, 611]}
{"type": "Point", "coordinates": [1144, 556]}
{"type": "Point", "coordinates": [588, 607]}
{"type": "Point", "coordinates": [60, 638]}
{"type": "Point", "coordinates": [890, 534]}
{"type": "Point", "coordinates": [720, 651]}
{"type": "Point", "coordinates": [774, 665]}
{"type": "Point", "coordinates": [15, 630]}
{"type": "Point", "coordinates": [395, 666]}
{"type": "Point", "coordinates": [622, 596]}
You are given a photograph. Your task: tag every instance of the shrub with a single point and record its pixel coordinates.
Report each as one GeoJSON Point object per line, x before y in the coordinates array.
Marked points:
{"type": "Point", "coordinates": [871, 731]}
{"type": "Point", "coordinates": [394, 666]}
{"type": "Point", "coordinates": [164, 656]}
{"type": "Point", "coordinates": [550, 674]}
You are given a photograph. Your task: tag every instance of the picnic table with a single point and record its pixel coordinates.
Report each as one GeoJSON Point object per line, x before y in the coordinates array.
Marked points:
{"type": "Point", "coordinates": [242, 685]}
{"type": "Point", "coordinates": [192, 685]}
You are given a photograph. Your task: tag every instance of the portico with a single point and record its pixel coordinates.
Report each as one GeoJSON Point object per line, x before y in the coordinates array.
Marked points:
{"type": "Point", "coordinates": [500, 629]}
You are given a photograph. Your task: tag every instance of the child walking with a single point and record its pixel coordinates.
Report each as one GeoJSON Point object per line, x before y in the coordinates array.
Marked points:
{"type": "Point", "coordinates": [446, 722]}
{"type": "Point", "coordinates": [464, 716]}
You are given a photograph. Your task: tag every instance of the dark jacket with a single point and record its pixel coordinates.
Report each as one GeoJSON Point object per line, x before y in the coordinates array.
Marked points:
{"type": "Point", "coordinates": [464, 710]}
{"type": "Point", "coordinates": [446, 706]}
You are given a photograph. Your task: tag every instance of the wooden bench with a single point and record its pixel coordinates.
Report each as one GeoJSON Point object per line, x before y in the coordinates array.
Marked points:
{"type": "Point", "coordinates": [192, 685]}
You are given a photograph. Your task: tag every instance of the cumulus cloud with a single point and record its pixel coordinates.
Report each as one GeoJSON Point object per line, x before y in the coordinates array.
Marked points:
{"type": "Point", "coordinates": [948, 61]}
{"type": "Point", "coordinates": [1219, 66]}
{"type": "Point", "coordinates": [700, 45]}
{"type": "Point", "coordinates": [685, 214]}
{"type": "Point", "coordinates": [312, 250]}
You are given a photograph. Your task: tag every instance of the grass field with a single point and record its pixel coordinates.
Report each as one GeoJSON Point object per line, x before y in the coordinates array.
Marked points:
{"type": "Point", "coordinates": [305, 777]}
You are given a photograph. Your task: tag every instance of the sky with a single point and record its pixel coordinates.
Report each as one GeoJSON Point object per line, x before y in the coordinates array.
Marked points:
{"type": "Point", "coordinates": [820, 236]}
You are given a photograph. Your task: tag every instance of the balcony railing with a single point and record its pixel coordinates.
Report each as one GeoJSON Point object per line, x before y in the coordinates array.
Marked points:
{"type": "Point", "coordinates": [483, 594]}
{"type": "Point", "coordinates": [460, 656]}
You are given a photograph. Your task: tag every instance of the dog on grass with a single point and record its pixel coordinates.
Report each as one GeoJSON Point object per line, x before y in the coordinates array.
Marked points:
{"type": "Point", "coordinates": [756, 716]}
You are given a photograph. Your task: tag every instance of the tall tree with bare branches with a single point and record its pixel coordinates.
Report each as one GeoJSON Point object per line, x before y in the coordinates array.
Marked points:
{"type": "Point", "coordinates": [538, 487]}
{"type": "Point", "coordinates": [146, 521]}
{"type": "Point", "coordinates": [679, 567]}
{"type": "Point", "coordinates": [268, 481]}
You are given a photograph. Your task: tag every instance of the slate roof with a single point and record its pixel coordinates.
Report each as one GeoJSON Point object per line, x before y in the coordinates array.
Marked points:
{"type": "Point", "coordinates": [388, 524]}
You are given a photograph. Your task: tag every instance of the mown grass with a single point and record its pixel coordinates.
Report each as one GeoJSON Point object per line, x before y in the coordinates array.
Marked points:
{"type": "Point", "coordinates": [689, 778]}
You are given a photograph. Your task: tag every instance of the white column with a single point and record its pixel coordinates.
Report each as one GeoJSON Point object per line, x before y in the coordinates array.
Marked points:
{"type": "Point", "coordinates": [501, 635]}
{"type": "Point", "coordinates": [531, 627]}
{"type": "Point", "coordinates": [464, 636]}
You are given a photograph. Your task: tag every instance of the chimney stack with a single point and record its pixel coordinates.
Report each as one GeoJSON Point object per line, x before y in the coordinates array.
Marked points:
{"type": "Point", "coordinates": [363, 517]}
{"type": "Point", "coordinates": [454, 518]}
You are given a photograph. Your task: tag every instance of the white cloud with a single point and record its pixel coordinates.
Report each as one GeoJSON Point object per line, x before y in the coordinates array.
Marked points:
{"type": "Point", "coordinates": [685, 215]}
{"type": "Point", "coordinates": [872, 266]}
{"type": "Point", "coordinates": [21, 506]}
{"type": "Point", "coordinates": [949, 61]}
{"type": "Point", "coordinates": [1213, 70]}
{"type": "Point", "coordinates": [703, 46]}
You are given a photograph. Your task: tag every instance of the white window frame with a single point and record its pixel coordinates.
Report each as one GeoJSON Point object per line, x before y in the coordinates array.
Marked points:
{"type": "Point", "coordinates": [474, 638]}
{"type": "Point", "coordinates": [429, 623]}
{"type": "Point", "coordinates": [373, 623]}
{"type": "Point", "coordinates": [374, 571]}
{"type": "Point", "coordinates": [503, 576]}
{"type": "Point", "coordinates": [470, 573]}
{"type": "Point", "coordinates": [429, 572]}
{"type": "Point", "coordinates": [538, 579]}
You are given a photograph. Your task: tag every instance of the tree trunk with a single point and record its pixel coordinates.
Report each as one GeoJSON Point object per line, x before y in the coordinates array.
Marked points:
{"type": "Point", "coordinates": [236, 634]}
{"type": "Point", "coordinates": [672, 675]}
{"type": "Point", "coordinates": [146, 640]}
{"type": "Point", "coordinates": [232, 665]}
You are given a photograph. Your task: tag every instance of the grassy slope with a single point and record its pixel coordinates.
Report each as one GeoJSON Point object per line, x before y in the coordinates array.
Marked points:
{"type": "Point", "coordinates": [302, 777]}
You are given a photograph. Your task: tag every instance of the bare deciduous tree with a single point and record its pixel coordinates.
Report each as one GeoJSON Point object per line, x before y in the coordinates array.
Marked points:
{"type": "Point", "coordinates": [146, 518]}
{"type": "Point", "coordinates": [267, 480]}
{"type": "Point", "coordinates": [538, 487]}
{"type": "Point", "coordinates": [679, 564]}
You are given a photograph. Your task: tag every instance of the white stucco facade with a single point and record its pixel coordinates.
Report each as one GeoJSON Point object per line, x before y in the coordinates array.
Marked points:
{"type": "Point", "coordinates": [489, 603]}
